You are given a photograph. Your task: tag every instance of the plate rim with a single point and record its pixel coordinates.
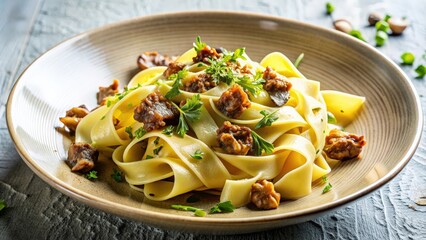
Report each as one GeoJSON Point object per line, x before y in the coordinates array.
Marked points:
{"type": "Point", "coordinates": [126, 211]}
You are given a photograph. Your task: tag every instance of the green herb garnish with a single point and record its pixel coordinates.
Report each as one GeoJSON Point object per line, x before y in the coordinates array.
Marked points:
{"type": "Point", "coordinates": [381, 38]}
{"type": "Point", "coordinates": [324, 179]}
{"type": "Point", "coordinates": [118, 96]}
{"type": "Point", "coordinates": [117, 175]}
{"type": "Point", "coordinates": [157, 140]}
{"type": "Point", "coordinates": [222, 207]}
{"type": "Point", "coordinates": [157, 150]}
{"type": "Point", "coordinates": [267, 120]}
{"type": "Point", "coordinates": [327, 188]}
{"type": "Point", "coordinates": [168, 130]}
{"type": "Point", "coordinates": [128, 130]}
{"type": "Point", "coordinates": [198, 45]}
{"type": "Point", "coordinates": [407, 58]}
{"type": "Point", "coordinates": [92, 175]}
{"type": "Point", "coordinates": [260, 145]}
{"type": "Point", "coordinates": [331, 118]}
{"type": "Point", "coordinates": [197, 211]}
{"type": "Point", "coordinates": [220, 71]}
{"type": "Point", "coordinates": [253, 86]}
{"type": "Point", "coordinates": [140, 132]}
{"type": "Point", "coordinates": [198, 154]}
{"type": "Point", "coordinates": [191, 111]}
{"type": "Point", "coordinates": [238, 53]}
{"type": "Point", "coordinates": [421, 71]}
{"type": "Point", "coordinates": [357, 34]}
{"type": "Point", "coordinates": [3, 204]}
{"type": "Point", "coordinates": [329, 8]}
{"type": "Point", "coordinates": [149, 157]}
{"type": "Point", "coordinates": [177, 77]}
{"type": "Point", "coordinates": [299, 60]}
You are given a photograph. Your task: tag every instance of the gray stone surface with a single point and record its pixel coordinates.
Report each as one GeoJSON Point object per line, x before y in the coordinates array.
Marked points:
{"type": "Point", "coordinates": [37, 211]}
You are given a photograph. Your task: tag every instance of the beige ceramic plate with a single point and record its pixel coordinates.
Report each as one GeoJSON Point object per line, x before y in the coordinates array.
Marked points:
{"type": "Point", "coordinates": [69, 75]}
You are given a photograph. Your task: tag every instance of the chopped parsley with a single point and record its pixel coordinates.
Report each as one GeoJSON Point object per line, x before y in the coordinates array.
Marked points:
{"type": "Point", "coordinates": [177, 77]}
{"type": "Point", "coordinates": [329, 8]}
{"type": "Point", "coordinates": [140, 132]}
{"type": "Point", "coordinates": [117, 175]}
{"type": "Point", "coordinates": [157, 140]}
{"type": "Point", "coordinates": [198, 45]}
{"type": "Point", "coordinates": [168, 130]}
{"type": "Point", "coordinates": [324, 179]}
{"type": "Point", "coordinates": [197, 211]}
{"type": "Point", "coordinates": [331, 118]}
{"type": "Point", "coordinates": [149, 157]}
{"type": "Point", "coordinates": [220, 71]}
{"type": "Point", "coordinates": [267, 120]}
{"type": "Point", "coordinates": [222, 207]}
{"type": "Point", "coordinates": [299, 60]}
{"type": "Point", "coordinates": [191, 111]}
{"type": "Point", "coordinates": [157, 150]}
{"type": "Point", "coordinates": [260, 145]}
{"type": "Point", "coordinates": [128, 130]}
{"type": "Point", "coordinates": [327, 188]}
{"type": "Point", "coordinates": [198, 154]}
{"type": "Point", "coordinates": [3, 204]}
{"type": "Point", "coordinates": [92, 175]}
{"type": "Point", "coordinates": [118, 96]}
{"type": "Point", "coordinates": [407, 58]}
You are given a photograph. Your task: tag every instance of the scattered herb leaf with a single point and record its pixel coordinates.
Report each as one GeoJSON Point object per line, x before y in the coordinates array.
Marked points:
{"type": "Point", "coordinates": [117, 175]}
{"type": "Point", "coordinates": [299, 60]}
{"type": "Point", "coordinates": [407, 58]}
{"type": "Point", "coordinates": [191, 111]}
{"type": "Point", "coordinates": [260, 145]}
{"type": "Point", "coordinates": [222, 207]}
{"type": "Point", "coordinates": [149, 157]}
{"type": "Point", "coordinates": [198, 154]}
{"type": "Point", "coordinates": [200, 213]}
{"type": "Point", "coordinates": [267, 120]}
{"type": "Point", "coordinates": [324, 179]}
{"type": "Point", "coordinates": [92, 175]}
{"type": "Point", "coordinates": [327, 188]}
{"type": "Point", "coordinates": [157, 140]}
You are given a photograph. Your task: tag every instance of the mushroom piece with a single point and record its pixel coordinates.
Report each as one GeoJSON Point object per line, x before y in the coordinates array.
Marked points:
{"type": "Point", "coordinates": [397, 25]}
{"type": "Point", "coordinates": [374, 17]}
{"type": "Point", "coordinates": [343, 25]}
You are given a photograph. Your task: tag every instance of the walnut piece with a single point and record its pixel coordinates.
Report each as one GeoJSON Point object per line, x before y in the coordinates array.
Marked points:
{"type": "Point", "coordinates": [263, 195]}
{"type": "Point", "coordinates": [343, 145]}
{"type": "Point", "coordinates": [233, 102]}
{"type": "Point", "coordinates": [234, 139]}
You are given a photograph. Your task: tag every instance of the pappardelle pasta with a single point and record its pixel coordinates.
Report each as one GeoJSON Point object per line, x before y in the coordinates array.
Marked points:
{"type": "Point", "coordinates": [216, 120]}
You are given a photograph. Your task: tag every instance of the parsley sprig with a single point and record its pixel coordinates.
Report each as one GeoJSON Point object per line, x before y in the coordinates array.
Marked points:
{"type": "Point", "coordinates": [260, 145]}
{"type": "Point", "coordinates": [190, 111]}
{"type": "Point", "coordinates": [177, 77]}
{"type": "Point", "coordinates": [198, 45]}
{"type": "Point", "coordinates": [253, 86]}
{"type": "Point", "coordinates": [222, 207]}
{"type": "Point", "coordinates": [117, 175]}
{"type": "Point", "coordinates": [168, 130]}
{"type": "Point", "coordinates": [267, 120]}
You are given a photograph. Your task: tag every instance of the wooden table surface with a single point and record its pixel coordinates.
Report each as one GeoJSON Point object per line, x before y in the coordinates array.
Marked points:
{"type": "Point", "coordinates": [37, 211]}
